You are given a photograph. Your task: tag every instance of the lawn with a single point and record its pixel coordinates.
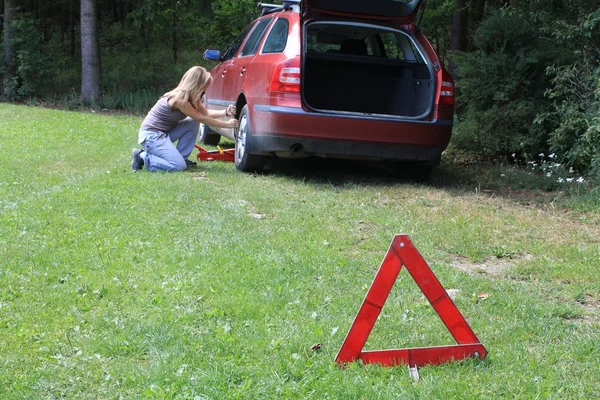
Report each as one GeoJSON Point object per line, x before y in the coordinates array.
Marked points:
{"type": "Point", "coordinates": [213, 284]}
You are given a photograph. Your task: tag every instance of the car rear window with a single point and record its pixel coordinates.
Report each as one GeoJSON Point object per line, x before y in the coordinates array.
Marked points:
{"type": "Point", "coordinates": [277, 39]}
{"type": "Point", "coordinates": [361, 40]}
{"type": "Point", "coordinates": [255, 37]}
{"type": "Point", "coordinates": [397, 47]}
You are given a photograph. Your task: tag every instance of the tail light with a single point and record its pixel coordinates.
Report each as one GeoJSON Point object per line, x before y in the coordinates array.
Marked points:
{"type": "Point", "coordinates": [286, 76]}
{"type": "Point", "coordinates": [447, 92]}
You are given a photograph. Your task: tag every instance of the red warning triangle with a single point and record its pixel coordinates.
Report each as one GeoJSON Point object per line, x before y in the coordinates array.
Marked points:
{"type": "Point", "coordinates": [403, 252]}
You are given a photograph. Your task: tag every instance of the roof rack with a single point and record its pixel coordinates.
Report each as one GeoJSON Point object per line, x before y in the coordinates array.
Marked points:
{"type": "Point", "coordinates": [287, 4]}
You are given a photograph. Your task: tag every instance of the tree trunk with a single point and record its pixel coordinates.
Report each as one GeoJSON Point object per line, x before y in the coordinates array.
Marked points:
{"type": "Point", "coordinates": [175, 35]}
{"type": "Point", "coordinates": [9, 54]}
{"type": "Point", "coordinates": [205, 8]}
{"type": "Point", "coordinates": [122, 7]}
{"type": "Point", "coordinates": [90, 55]}
{"type": "Point", "coordinates": [72, 21]}
{"type": "Point", "coordinates": [457, 41]}
{"type": "Point", "coordinates": [43, 20]}
{"type": "Point", "coordinates": [476, 14]}
{"type": "Point", "coordinates": [115, 8]}
{"type": "Point", "coordinates": [458, 35]}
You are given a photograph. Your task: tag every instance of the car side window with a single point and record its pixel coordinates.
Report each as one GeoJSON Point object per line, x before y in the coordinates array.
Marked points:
{"type": "Point", "coordinates": [235, 46]}
{"type": "Point", "coordinates": [277, 39]}
{"type": "Point", "coordinates": [255, 37]}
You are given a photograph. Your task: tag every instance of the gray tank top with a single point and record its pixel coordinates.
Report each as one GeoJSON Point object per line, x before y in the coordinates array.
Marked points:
{"type": "Point", "coordinates": [162, 117]}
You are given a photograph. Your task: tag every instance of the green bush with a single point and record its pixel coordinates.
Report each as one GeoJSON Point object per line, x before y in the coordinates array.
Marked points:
{"type": "Point", "coordinates": [31, 63]}
{"type": "Point", "coordinates": [500, 88]}
{"type": "Point", "coordinates": [575, 93]}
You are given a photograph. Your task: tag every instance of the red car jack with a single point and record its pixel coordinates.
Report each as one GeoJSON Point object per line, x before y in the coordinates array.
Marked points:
{"type": "Point", "coordinates": [215, 155]}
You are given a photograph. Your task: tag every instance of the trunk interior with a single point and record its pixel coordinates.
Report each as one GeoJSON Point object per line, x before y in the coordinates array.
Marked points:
{"type": "Point", "coordinates": [365, 70]}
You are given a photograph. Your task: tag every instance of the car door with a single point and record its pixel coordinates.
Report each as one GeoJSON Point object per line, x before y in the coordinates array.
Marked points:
{"type": "Point", "coordinates": [220, 74]}
{"type": "Point", "coordinates": [238, 65]}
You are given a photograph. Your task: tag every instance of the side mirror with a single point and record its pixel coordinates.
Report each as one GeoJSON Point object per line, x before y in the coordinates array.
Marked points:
{"type": "Point", "coordinates": [212, 54]}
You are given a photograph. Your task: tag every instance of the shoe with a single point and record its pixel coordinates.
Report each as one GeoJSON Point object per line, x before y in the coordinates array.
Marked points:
{"type": "Point", "coordinates": [190, 163]}
{"type": "Point", "coordinates": [137, 162]}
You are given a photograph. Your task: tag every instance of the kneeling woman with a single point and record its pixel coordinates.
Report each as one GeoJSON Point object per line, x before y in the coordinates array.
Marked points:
{"type": "Point", "coordinates": [176, 117]}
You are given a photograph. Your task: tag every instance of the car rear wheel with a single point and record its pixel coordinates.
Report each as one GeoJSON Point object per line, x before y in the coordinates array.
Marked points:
{"type": "Point", "coordinates": [244, 161]}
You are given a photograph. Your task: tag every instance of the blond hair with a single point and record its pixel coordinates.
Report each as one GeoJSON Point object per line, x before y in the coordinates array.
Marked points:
{"type": "Point", "coordinates": [191, 86]}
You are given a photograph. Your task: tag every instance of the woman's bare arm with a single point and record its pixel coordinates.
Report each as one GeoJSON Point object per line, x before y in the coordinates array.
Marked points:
{"type": "Point", "coordinates": [202, 115]}
{"type": "Point", "coordinates": [211, 113]}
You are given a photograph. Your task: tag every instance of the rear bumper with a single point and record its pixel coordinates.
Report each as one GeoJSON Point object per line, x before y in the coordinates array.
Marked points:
{"type": "Point", "coordinates": [281, 129]}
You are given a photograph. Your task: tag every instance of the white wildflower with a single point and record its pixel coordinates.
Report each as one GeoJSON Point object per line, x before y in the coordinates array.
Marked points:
{"type": "Point", "coordinates": [549, 174]}
{"type": "Point", "coordinates": [569, 179]}
{"type": "Point", "coordinates": [551, 155]}
{"type": "Point", "coordinates": [541, 155]}
{"type": "Point", "coordinates": [580, 180]}
{"type": "Point", "coordinates": [560, 180]}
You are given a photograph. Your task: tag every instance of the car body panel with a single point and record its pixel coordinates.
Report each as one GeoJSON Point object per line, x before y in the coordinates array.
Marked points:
{"type": "Point", "coordinates": [255, 88]}
{"type": "Point", "coordinates": [296, 125]}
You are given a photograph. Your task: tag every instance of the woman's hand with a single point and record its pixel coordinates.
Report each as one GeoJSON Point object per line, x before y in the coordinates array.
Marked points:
{"type": "Point", "coordinates": [231, 110]}
{"type": "Point", "coordinates": [232, 123]}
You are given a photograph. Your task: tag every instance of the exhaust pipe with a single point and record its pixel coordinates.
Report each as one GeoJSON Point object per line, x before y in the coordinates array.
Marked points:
{"type": "Point", "coordinates": [296, 148]}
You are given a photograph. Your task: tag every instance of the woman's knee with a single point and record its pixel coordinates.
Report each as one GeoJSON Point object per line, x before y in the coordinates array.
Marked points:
{"type": "Point", "coordinates": [191, 124]}
{"type": "Point", "coordinates": [177, 165]}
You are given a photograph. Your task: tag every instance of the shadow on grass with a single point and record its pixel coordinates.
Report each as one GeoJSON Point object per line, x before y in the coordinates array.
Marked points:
{"type": "Point", "coordinates": [335, 172]}
{"type": "Point", "coordinates": [485, 178]}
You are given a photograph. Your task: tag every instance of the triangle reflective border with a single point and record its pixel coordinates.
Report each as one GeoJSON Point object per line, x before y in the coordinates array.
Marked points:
{"type": "Point", "coordinates": [403, 252]}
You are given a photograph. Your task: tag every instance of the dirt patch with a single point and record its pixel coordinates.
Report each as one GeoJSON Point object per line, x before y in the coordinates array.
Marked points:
{"type": "Point", "coordinates": [363, 230]}
{"type": "Point", "coordinates": [492, 266]}
{"type": "Point", "coordinates": [591, 306]}
{"type": "Point", "coordinates": [366, 228]}
{"type": "Point", "coordinates": [251, 210]}
{"type": "Point", "coordinates": [590, 318]}
{"type": "Point", "coordinates": [201, 176]}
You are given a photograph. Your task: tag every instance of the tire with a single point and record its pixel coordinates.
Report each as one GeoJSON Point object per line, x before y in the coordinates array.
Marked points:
{"type": "Point", "coordinates": [244, 161]}
{"type": "Point", "coordinates": [207, 136]}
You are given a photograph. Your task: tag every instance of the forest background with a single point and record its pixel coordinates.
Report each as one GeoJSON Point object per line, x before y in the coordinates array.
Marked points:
{"type": "Point", "coordinates": [527, 73]}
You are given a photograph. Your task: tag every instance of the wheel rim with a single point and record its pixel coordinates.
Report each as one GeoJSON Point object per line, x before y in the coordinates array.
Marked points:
{"type": "Point", "coordinates": [240, 142]}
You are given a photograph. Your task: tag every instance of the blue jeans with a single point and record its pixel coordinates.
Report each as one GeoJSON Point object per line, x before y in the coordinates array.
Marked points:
{"type": "Point", "coordinates": [161, 154]}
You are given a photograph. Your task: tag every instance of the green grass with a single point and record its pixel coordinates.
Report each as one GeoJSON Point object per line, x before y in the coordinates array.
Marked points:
{"type": "Point", "coordinates": [116, 284]}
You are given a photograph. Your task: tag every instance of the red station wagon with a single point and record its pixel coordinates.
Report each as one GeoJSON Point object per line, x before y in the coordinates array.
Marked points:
{"type": "Point", "coordinates": [334, 78]}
